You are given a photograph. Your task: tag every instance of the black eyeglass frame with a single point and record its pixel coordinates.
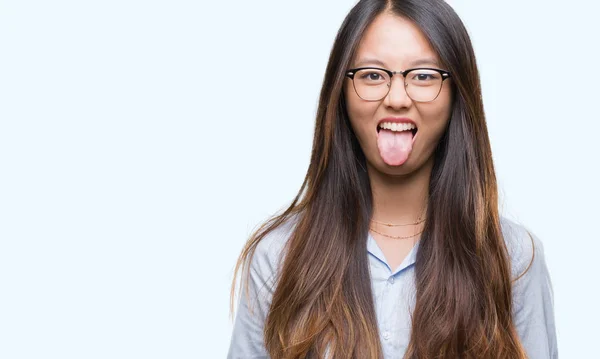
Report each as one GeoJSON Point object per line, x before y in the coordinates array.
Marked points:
{"type": "Point", "coordinates": [445, 75]}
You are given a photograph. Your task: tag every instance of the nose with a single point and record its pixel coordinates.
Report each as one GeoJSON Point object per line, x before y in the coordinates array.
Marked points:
{"type": "Point", "coordinates": [397, 97]}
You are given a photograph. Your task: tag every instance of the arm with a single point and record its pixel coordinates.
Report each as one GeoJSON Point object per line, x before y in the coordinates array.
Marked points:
{"type": "Point", "coordinates": [247, 339]}
{"type": "Point", "coordinates": [533, 299]}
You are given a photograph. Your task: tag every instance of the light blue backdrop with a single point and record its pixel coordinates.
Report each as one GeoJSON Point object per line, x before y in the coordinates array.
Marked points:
{"type": "Point", "coordinates": [138, 143]}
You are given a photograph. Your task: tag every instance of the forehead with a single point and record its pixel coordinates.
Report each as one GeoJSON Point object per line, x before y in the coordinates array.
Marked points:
{"type": "Point", "coordinates": [395, 42]}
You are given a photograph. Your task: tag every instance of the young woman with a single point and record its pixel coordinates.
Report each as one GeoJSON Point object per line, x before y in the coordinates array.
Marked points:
{"type": "Point", "coordinates": [394, 247]}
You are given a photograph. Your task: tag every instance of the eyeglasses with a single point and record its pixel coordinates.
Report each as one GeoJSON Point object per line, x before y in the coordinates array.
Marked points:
{"type": "Point", "coordinates": [373, 83]}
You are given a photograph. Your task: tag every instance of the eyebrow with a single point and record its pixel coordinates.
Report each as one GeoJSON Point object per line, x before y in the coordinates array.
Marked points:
{"type": "Point", "coordinates": [418, 62]}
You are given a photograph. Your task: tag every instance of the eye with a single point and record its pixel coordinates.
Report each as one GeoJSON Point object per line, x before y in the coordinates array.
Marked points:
{"type": "Point", "coordinates": [373, 76]}
{"type": "Point", "coordinates": [424, 76]}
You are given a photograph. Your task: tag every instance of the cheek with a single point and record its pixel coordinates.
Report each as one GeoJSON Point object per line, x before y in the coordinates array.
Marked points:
{"type": "Point", "coordinates": [360, 112]}
{"type": "Point", "coordinates": [437, 117]}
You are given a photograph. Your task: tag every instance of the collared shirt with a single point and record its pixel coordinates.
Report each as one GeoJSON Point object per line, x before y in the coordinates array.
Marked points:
{"type": "Point", "coordinates": [394, 295]}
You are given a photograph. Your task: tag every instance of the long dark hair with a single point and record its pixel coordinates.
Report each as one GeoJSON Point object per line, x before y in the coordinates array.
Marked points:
{"type": "Point", "coordinates": [323, 298]}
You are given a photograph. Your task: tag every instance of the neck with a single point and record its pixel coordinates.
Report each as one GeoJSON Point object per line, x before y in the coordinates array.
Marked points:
{"type": "Point", "coordinates": [402, 198]}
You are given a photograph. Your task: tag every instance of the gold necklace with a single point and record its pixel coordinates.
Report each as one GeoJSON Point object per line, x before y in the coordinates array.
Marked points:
{"type": "Point", "coordinates": [419, 220]}
{"type": "Point", "coordinates": [397, 237]}
{"type": "Point", "coordinates": [396, 225]}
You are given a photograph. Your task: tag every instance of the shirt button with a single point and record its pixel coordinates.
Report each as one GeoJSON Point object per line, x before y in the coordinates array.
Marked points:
{"type": "Point", "coordinates": [391, 280]}
{"type": "Point", "coordinates": [386, 335]}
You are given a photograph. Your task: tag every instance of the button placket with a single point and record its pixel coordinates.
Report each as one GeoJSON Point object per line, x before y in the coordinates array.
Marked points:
{"type": "Point", "coordinates": [386, 303]}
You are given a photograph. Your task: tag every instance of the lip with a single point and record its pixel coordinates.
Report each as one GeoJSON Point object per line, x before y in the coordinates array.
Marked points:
{"type": "Point", "coordinates": [399, 120]}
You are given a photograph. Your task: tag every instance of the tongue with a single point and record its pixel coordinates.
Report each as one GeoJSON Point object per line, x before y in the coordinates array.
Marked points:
{"type": "Point", "coordinates": [394, 147]}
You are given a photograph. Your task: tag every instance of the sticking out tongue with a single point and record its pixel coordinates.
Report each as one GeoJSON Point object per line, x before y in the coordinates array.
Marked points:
{"type": "Point", "coordinates": [394, 147]}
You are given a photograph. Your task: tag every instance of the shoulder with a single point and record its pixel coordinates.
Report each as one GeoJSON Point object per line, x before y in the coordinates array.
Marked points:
{"type": "Point", "coordinates": [270, 250]}
{"type": "Point", "coordinates": [525, 249]}
{"type": "Point", "coordinates": [532, 285]}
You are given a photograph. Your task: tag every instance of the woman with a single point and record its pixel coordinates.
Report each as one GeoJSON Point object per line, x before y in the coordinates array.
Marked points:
{"type": "Point", "coordinates": [394, 247]}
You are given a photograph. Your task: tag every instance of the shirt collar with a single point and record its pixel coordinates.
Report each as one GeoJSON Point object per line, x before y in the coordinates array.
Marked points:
{"type": "Point", "coordinates": [374, 249]}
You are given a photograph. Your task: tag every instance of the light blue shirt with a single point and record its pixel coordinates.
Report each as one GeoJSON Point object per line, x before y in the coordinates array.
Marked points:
{"type": "Point", "coordinates": [394, 294]}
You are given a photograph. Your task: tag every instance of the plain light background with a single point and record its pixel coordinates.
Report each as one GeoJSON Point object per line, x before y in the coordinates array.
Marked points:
{"type": "Point", "coordinates": [142, 141]}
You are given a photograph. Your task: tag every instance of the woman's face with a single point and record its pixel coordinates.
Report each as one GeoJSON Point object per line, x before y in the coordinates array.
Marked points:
{"type": "Point", "coordinates": [395, 43]}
